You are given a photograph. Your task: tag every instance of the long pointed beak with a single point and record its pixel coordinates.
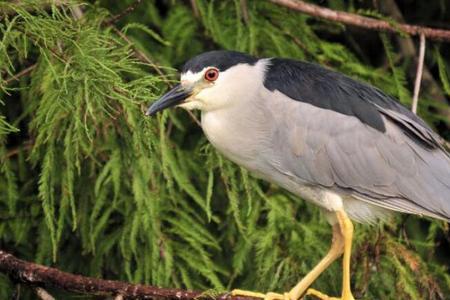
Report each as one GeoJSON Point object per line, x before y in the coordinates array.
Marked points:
{"type": "Point", "coordinates": [171, 98]}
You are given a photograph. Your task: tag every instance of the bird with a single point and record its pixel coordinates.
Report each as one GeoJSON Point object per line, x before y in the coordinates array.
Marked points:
{"type": "Point", "coordinates": [338, 142]}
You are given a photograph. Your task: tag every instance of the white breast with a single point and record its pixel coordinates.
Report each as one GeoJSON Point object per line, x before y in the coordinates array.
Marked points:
{"type": "Point", "coordinates": [232, 136]}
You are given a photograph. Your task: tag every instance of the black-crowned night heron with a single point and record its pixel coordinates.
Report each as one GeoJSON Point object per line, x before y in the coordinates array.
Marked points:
{"type": "Point", "coordinates": [339, 143]}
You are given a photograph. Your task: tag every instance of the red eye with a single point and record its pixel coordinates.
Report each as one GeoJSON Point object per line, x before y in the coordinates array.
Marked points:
{"type": "Point", "coordinates": [211, 74]}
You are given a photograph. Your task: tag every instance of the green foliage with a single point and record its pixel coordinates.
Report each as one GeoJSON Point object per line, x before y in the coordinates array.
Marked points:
{"type": "Point", "coordinates": [398, 74]}
{"type": "Point", "coordinates": [442, 72]}
{"type": "Point", "coordinates": [85, 177]}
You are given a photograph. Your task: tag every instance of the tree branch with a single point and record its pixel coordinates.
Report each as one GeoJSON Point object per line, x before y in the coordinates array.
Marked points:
{"type": "Point", "coordinates": [365, 22]}
{"type": "Point", "coordinates": [408, 50]}
{"type": "Point", "coordinates": [127, 11]}
{"type": "Point", "coordinates": [195, 9]}
{"type": "Point", "coordinates": [419, 74]}
{"type": "Point", "coordinates": [41, 276]}
{"type": "Point", "coordinates": [17, 76]}
{"type": "Point", "coordinates": [244, 9]}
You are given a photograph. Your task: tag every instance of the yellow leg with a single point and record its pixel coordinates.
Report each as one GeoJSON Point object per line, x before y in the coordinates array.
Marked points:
{"type": "Point", "coordinates": [346, 227]}
{"type": "Point", "coordinates": [336, 250]}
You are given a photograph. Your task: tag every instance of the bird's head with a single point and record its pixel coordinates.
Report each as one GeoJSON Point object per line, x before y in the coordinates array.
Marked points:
{"type": "Point", "coordinates": [212, 80]}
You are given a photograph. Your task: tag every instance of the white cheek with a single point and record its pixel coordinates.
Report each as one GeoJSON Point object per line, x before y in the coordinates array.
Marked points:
{"type": "Point", "coordinates": [213, 97]}
{"type": "Point", "coordinates": [192, 77]}
{"type": "Point", "coordinates": [205, 94]}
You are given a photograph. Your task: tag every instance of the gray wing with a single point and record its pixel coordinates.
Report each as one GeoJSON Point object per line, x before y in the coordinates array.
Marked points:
{"type": "Point", "coordinates": [392, 169]}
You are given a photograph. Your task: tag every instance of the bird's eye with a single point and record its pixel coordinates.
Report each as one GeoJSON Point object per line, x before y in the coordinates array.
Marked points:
{"type": "Point", "coordinates": [211, 74]}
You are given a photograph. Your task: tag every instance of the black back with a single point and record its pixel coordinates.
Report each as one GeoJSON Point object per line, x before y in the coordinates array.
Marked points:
{"type": "Point", "coordinates": [221, 59]}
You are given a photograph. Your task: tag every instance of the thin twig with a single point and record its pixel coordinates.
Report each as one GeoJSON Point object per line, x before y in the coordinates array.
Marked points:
{"type": "Point", "coordinates": [25, 146]}
{"type": "Point", "coordinates": [419, 74]}
{"type": "Point", "coordinates": [17, 76]}
{"type": "Point", "coordinates": [195, 8]}
{"type": "Point", "coordinates": [127, 11]}
{"type": "Point", "coordinates": [244, 9]}
{"type": "Point", "coordinates": [194, 118]}
{"type": "Point", "coordinates": [77, 12]}
{"type": "Point", "coordinates": [53, 51]}
{"type": "Point", "coordinates": [43, 294]}
{"type": "Point", "coordinates": [16, 293]}
{"type": "Point", "coordinates": [360, 21]}
{"type": "Point", "coordinates": [41, 276]}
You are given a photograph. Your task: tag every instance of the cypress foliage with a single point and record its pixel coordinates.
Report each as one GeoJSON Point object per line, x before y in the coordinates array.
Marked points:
{"type": "Point", "coordinates": [90, 185]}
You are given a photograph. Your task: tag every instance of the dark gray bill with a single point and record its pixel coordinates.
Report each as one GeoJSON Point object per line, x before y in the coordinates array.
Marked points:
{"type": "Point", "coordinates": [171, 98]}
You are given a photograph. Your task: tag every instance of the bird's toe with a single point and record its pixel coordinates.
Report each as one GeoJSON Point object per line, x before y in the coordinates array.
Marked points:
{"type": "Point", "coordinates": [267, 296]}
{"type": "Point", "coordinates": [238, 292]}
{"type": "Point", "coordinates": [322, 296]}
{"type": "Point", "coordinates": [277, 296]}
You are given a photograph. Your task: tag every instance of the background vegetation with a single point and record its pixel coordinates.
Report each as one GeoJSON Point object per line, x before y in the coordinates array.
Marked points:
{"type": "Point", "coordinates": [91, 186]}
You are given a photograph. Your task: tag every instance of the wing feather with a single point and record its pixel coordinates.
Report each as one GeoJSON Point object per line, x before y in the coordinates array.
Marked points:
{"type": "Point", "coordinates": [388, 169]}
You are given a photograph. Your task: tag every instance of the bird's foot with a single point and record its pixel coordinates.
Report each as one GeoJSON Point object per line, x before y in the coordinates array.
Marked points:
{"type": "Point", "coordinates": [321, 296]}
{"type": "Point", "coordinates": [267, 296]}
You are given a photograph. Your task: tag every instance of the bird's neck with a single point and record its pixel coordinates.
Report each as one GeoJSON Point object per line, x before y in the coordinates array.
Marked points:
{"type": "Point", "coordinates": [235, 131]}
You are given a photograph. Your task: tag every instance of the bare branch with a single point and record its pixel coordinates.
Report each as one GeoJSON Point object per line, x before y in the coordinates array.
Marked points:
{"type": "Point", "coordinates": [17, 76]}
{"type": "Point", "coordinates": [418, 74]}
{"type": "Point", "coordinates": [244, 9]}
{"type": "Point", "coordinates": [194, 118]}
{"type": "Point", "coordinates": [77, 12]}
{"type": "Point", "coordinates": [365, 22]}
{"type": "Point", "coordinates": [195, 8]}
{"type": "Point", "coordinates": [25, 146]}
{"type": "Point", "coordinates": [128, 10]}
{"type": "Point", "coordinates": [41, 276]}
